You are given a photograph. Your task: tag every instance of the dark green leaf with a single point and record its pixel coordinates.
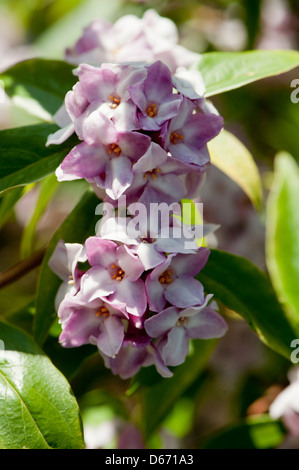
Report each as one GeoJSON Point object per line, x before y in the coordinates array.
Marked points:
{"type": "Point", "coordinates": [38, 409]}
{"type": "Point", "coordinates": [39, 85]}
{"type": "Point", "coordinates": [253, 433]}
{"type": "Point", "coordinates": [223, 71]}
{"type": "Point", "coordinates": [8, 202]}
{"type": "Point", "coordinates": [242, 287]}
{"type": "Point", "coordinates": [75, 229]}
{"type": "Point", "coordinates": [158, 400]}
{"type": "Point", "coordinates": [24, 157]}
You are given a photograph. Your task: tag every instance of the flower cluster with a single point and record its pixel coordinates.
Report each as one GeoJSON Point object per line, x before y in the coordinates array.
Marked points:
{"type": "Point", "coordinates": [132, 39]}
{"type": "Point", "coordinates": [143, 132]}
{"type": "Point", "coordinates": [141, 135]}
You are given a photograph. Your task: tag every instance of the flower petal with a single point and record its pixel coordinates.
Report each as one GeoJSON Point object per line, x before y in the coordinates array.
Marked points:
{"type": "Point", "coordinates": [111, 335]}
{"type": "Point", "coordinates": [176, 349]}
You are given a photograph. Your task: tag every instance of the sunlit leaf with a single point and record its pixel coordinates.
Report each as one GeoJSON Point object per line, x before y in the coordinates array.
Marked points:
{"type": "Point", "coordinates": [234, 159]}
{"type": "Point", "coordinates": [39, 85]}
{"type": "Point", "coordinates": [223, 71]}
{"type": "Point", "coordinates": [38, 409]}
{"type": "Point", "coordinates": [282, 234]}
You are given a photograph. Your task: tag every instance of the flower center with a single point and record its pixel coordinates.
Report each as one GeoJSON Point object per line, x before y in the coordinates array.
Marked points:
{"type": "Point", "coordinates": [152, 173]}
{"type": "Point", "coordinates": [151, 110]}
{"type": "Point", "coordinates": [114, 102]}
{"type": "Point", "coordinates": [118, 273]}
{"type": "Point", "coordinates": [102, 312]}
{"type": "Point", "coordinates": [175, 137]}
{"type": "Point", "coordinates": [114, 149]}
{"type": "Point", "coordinates": [165, 277]}
{"type": "Point", "coordinates": [71, 281]}
{"type": "Point", "coordinates": [181, 321]}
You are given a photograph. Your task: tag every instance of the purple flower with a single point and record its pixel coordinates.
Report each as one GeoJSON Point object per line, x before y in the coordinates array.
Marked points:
{"type": "Point", "coordinates": [173, 281]}
{"type": "Point", "coordinates": [114, 276]}
{"type": "Point", "coordinates": [64, 262]}
{"type": "Point", "coordinates": [74, 106]}
{"type": "Point", "coordinates": [106, 89]}
{"type": "Point", "coordinates": [157, 178]}
{"type": "Point", "coordinates": [95, 322]}
{"type": "Point", "coordinates": [130, 360]}
{"type": "Point", "coordinates": [108, 164]}
{"type": "Point", "coordinates": [130, 39]}
{"type": "Point", "coordinates": [154, 97]}
{"type": "Point", "coordinates": [186, 135]}
{"type": "Point", "coordinates": [149, 235]}
{"type": "Point", "coordinates": [178, 326]}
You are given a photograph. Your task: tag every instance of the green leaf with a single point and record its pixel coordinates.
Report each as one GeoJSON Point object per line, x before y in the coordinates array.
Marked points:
{"type": "Point", "coordinates": [257, 432]}
{"type": "Point", "coordinates": [282, 234]}
{"type": "Point", "coordinates": [158, 400]}
{"type": "Point", "coordinates": [242, 287]}
{"type": "Point", "coordinates": [38, 409]}
{"type": "Point", "coordinates": [235, 160]}
{"type": "Point", "coordinates": [75, 229]}
{"type": "Point", "coordinates": [223, 71]}
{"type": "Point", "coordinates": [39, 85]}
{"type": "Point", "coordinates": [24, 157]}
{"type": "Point", "coordinates": [8, 202]}
{"type": "Point", "coordinates": [47, 188]}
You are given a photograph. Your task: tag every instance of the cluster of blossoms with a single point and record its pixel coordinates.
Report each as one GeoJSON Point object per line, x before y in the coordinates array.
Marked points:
{"type": "Point", "coordinates": [145, 39]}
{"type": "Point", "coordinates": [144, 132]}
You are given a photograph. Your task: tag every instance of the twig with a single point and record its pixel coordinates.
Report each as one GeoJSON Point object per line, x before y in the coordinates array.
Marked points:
{"type": "Point", "coordinates": [22, 268]}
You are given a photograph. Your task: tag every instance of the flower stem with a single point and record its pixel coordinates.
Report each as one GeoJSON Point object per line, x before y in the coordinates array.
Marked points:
{"type": "Point", "coordinates": [21, 268]}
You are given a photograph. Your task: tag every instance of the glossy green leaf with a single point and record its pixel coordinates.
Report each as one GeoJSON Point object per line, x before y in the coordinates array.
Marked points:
{"type": "Point", "coordinates": [257, 432]}
{"type": "Point", "coordinates": [24, 157]}
{"type": "Point", "coordinates": [75, 229]}
{"type": "Point", "coordinates": [242, 287]}
{"type": "Point", "coordinates": [235, 160]}
{"type": "Point", "coordinates": [223, 71]}
{"type": "Point", "coordinates": [159, 399]}
{"type": "Point", "coordinates": [38, 409]}
{"type": "Point", "coordinates": [282, 234]}
{"type": "Point", "coordinates": [39, 85]}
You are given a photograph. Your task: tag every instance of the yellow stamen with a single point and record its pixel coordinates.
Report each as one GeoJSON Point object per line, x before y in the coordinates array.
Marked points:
{"type": "Point", "coordinates": [102, 312]}
{"type": "Point", "coordinates": [119, 275]}
{"type": "Point", "coordinates": [114, 149]}
{"type": "Point", "coordinates": [151, 110]}
{"type": "Point", "coordinates": [175, 137]}
{"type": "Point", "coordinates": [114, 102]}
{"type": "Point", "coordinates": [165, 278]}
{"type": "Point", "coordinates": [181, 321]}
{"type": "Point", "coordinates": [152, 173]}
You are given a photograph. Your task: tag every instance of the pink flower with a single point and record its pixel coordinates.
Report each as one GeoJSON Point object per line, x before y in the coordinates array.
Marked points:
{"type": "Point", "coordinates": [114, 276]}
{"type": "Point", "coordinates": [96, 322]}
{"type": "Point", "coordinates": [173, 281]}
{"type": "Point", "coordinates": [178, 326]}
{"type": "Point", "coordinates": [132, 39]}
{"type": "Point", "coordinates": [154, 97]}
{"type": "Point", "coordinates": [185, 136]}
